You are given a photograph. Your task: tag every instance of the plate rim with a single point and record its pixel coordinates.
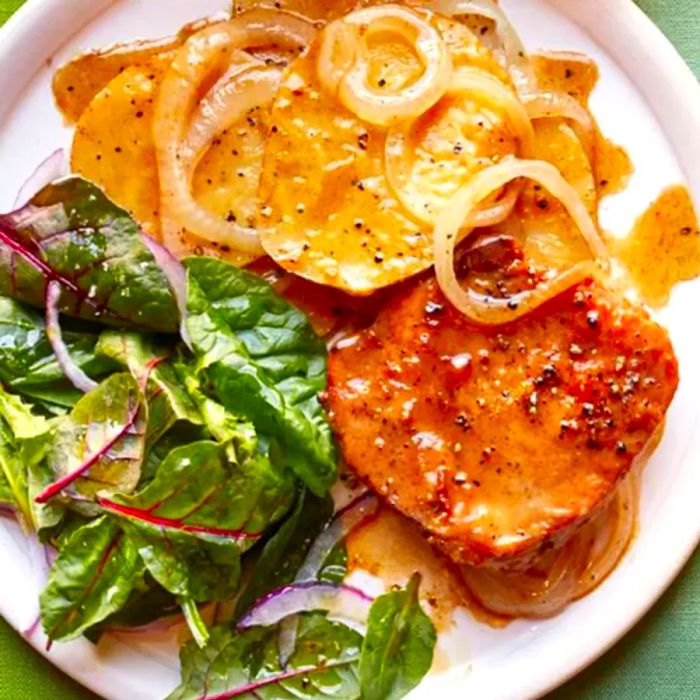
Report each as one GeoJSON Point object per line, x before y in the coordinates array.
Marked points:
{"type": "Point", "coordinates": [24, 29]}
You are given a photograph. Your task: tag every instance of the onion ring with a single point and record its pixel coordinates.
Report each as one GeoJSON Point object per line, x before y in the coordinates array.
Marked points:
{"type": "Point", "coordinates": [559, 104]}
{"type": "Point", "coordinates": [484, 87]}
{"type": "Point", "coordinates": [343, 65]}
{"type": "Point", "coordinates": [205, 54]}
{"type": "Point", "coordinates": [516, 58]}
{"type": "Point", "coordinates": [564, 576]}
{"type": "Point", "coordinates": [459, 213]}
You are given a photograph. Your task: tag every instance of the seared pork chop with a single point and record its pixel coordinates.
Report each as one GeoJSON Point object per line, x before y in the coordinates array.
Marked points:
{"type": "Point", "coordinates": [500, 442]}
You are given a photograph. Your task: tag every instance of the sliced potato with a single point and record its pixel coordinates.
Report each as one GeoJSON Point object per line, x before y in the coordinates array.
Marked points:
{"type": "Point", "coordinates": [326, 9]}
{"type": "Point", "coordinates": [113, 143]}
{"type": "Point", "coordinates": [328, 213]}
{"type": "Point", "coordinates": [113, 146]}
{"type": "Point", "coordinates": [76, 83]}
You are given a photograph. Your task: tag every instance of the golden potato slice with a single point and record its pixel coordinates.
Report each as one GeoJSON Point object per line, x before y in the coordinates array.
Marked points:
{"type": "Point", "coordinates": [113, 146]}
{"type": "Point", "coordinates": [113, 143]}
{"type": "Point", "coordinates": [314, 9]}
{"type": "Point", "coordinates": [77, 82]}
{"type": "Point", "coordinates": [328, 213]}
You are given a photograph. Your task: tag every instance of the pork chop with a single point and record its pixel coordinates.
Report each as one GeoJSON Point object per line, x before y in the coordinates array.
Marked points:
{"type": "Point", "coordinates": [500, 442]}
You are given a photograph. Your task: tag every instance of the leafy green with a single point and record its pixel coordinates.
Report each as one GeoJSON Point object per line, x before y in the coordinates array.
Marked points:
{"type": "Point", "coordinates": [92, 577]}
{"type": "Point", "coordinates": [149, 363]}
{"type": "Point", "coordinates": [100, 446]}
{"type": "Point", "coordinates": [281, 556]}
{"type": "Point", "coordinates": [197, 516]}
{"type": "Point", "coordinates": [27, 361]}
{"type": "Point", "coordinates": [245, 664]}
{"type": "Point", "coordinates": [398, 647]}
{"type": "Point", "coordinates": [24, 439]}
{"type": "Point", "coordinates": [72, 233]}
{"type": "Point", "coordinates": [264, 362]}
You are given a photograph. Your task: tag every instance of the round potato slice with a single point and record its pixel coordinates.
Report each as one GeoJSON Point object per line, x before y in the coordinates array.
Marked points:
{"type": "Point", "coordinates": [114, 137]}
{"type": "Point", "coordinates": [328, 212]}
{"type": "Point", "coordinates": [113, 143]}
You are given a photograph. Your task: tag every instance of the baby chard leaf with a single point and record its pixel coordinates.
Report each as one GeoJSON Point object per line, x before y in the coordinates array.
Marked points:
{"type": "Point", "coordinates": [200, 512]}
{"type": "Point", "coordinates": [398, 647]}
{"type": "Point", "coordinates": [99, 447]}
{"type": "Point", "coordinates": [24, 440]}
{"type": "Point", "coordinates": [246, 664]}
{"type": "Point", "coordinates": [92, 577]}
{"type": "Point", "coordinates": [71, 233]}
{"type": "Point", "coordinates": [150, 364]}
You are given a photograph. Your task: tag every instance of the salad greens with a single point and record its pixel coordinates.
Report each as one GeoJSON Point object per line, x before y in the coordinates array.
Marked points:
{"type": "Point", "coordinates": [196, 471]}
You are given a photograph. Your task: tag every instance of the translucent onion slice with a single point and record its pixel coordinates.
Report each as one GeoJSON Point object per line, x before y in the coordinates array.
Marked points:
{"type": "Point", "coordinates": [473, 84]}
{"type": "Point", "coordinates": [459, 213]}
{"type": "Point", "coordinates": [340, 601]}
{"type": "Point", "coordinates": [206, 54]}
{"type": "Point", "coordinates": [346, 520]}
{"type": "Point", "coordinates": [343, 64]}
{"type": "Point", "coordinates": [245, 89]}
{"type": "Point", "coordinates": [561, 105]}
{"type": "Point", "coordinates": [51, 168]}
{"type": "Point", "coordinates": [572, 572]}
{"type": "Point", "coordinates": [73, 373]}
{"type": "Point", "coordinates": [516, 58]}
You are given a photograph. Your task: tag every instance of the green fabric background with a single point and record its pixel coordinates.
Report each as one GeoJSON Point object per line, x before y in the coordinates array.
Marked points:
{"type": "Point", "coordinates": [658, 660]}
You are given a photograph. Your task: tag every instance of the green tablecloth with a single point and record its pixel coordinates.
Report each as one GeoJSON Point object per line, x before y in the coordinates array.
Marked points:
{"type": "Point", "coordinates": [659, 660]}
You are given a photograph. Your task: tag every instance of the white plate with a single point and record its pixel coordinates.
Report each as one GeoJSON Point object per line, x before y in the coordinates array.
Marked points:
{"type": "Point", "coordinates": [649, 102]}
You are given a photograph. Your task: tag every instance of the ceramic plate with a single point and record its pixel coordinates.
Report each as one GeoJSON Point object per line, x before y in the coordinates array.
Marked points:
{"type": "Point", "coordinates": [649, 102]}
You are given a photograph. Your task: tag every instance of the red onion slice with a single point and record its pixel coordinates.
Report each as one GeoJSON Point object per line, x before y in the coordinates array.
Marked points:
{"type": "Point", "coordinates": [75, 375]}
{"type": "Point", "coordinates": [177, 279]}
{"type": "Point", "coordinates": [342, 525]}
{"type": "Point", "coordinates": [343, 603]}
{"type": "Point", "coordinates": [51, 168]}
{"type": "Point", "coordinates": [347, 519]}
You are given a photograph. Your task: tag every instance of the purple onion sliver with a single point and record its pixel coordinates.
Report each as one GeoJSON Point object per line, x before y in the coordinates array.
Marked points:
{"type": "Point", "coordinates": [346, 520]}
{"type": "Point", "coordinates": [75, 375]}
{"type": "Point", "coordinates": [177, 279]}
{"type": "Point", "coordinates": [52, 168]}
{"type": "Point", "coordinates": [341, 601]}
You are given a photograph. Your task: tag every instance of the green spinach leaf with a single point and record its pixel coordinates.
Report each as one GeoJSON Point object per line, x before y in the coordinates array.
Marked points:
{"type": "Point", "coordinates": [245, 664]}
{"type": "Point", "coordinates": [92, 577]}
{"type": "Point", "coordinates": [398, 647]}
{"type": "Point", "coordinates": [197, 516]}
{"type": "Point", "coordinates": [72, 233]}
{"type": "Point", "coordinates": [264, 362]}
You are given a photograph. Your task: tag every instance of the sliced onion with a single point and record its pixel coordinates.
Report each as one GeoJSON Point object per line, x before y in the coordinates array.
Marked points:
{"type": "Point", "coordinates": [568, 574]}
{"type": "Point", "coordinates": [340, 601]}
{"type": "Point", "coordinates": [220, 108]}
{"type": "Point", "coordinates": [73, 373]}
{"type": "Point", "coordinates": [177, 280]}
{"type": "Point", "coordinates": [210, 53]}
{"type": "Point", "coordinates": [347, 519]}
{"type": "Point", "coordinates": [50, 169]}
{"type": "Point", "coordinates": [471, 83]}
{"type": "Point", "coordinates": [343, 64]}
{"type": "Point", "coordinates": [559, 104]}
{"type": "Point", "coordinates": [611, 534]}
{"type": "Point", "coordinates": [459, 213]}
{"type": "Point", "coordinates": [516, 58]}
